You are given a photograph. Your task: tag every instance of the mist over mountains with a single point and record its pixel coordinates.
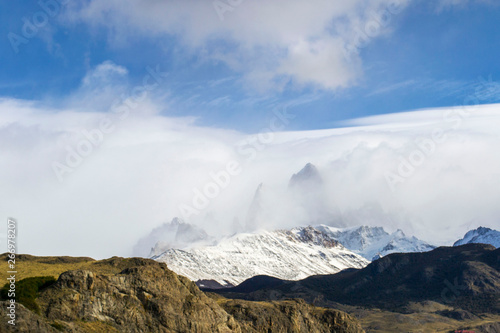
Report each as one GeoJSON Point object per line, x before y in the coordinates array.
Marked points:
{"type": "Point", "coordinates": [254, 248]}
{"type": "Point", "coordinates": [305, 201]}
{"type": "Point", "coordinates": [326, 246]}
{"type": "Point", "coordinates": [176, 234]}
{"type": "Point", "coordinates": [432, 201]}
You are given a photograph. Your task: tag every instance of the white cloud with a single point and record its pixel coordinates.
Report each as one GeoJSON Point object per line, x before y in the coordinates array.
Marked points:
{"type": "Point", "coordinates": [100, 88]}
{"type": "Point", "coordinates": [104, 73]}
{"type": "Point", "coordinates": [308, 42]}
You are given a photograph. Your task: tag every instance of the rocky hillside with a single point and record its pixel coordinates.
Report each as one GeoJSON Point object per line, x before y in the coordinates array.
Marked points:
{"type": "Point", "coordinates": [145, 296]}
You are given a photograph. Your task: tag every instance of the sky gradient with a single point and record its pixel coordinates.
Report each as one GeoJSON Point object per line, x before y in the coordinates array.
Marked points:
{"type": "Point", "coordinates": [336, 61]}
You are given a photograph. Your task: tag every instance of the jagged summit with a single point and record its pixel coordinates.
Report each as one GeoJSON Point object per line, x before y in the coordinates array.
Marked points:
{"type": "Point", "coordinates": [481, 235]}
{"type": "Point", "coordinates": [309, 195]}
{"type": "Point", "coordinates": [255, 209]}
{"type": "Point", "coordinates": [399, 233]}
{"type": "Point", "coordinates": [177, 221]}
{"type": "Point", "coordinates": [308, 175]}
{"type": "Point", "coordinates": [314, 236]}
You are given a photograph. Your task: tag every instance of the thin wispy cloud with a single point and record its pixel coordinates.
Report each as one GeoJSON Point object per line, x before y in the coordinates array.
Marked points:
{"type": "Point", "coordinates": [443, 88]}
{"type": "Point", "coordinates": [392, 87]}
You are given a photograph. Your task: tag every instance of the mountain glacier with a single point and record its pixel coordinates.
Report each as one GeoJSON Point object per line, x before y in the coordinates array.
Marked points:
{"type": "Point", "coordinates": [481, 235]}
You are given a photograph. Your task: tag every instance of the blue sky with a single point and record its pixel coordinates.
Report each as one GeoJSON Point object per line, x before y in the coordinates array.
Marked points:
{"type": "Point", "coordinates": [428, 55]}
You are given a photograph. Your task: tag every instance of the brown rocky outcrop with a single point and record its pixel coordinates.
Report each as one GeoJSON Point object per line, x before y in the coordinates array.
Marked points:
{"type": "Point", "coordinates": [145, 296]}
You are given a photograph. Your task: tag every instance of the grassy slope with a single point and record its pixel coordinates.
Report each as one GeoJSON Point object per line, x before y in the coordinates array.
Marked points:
{"type": "Point", "coordinates": [29, 266]}
{"type": "Point", "coordinates": [380, 321]}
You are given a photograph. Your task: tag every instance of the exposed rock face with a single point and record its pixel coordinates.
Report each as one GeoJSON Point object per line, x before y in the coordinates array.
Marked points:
{"type": "Point", "coordinates": [147, 297]}
{"type": "Point", "coordinates": [312, 236]}
{"type": "Point", "coordinates": [289, 316]}
{"type": "Point", "coordinates": [26, 321]}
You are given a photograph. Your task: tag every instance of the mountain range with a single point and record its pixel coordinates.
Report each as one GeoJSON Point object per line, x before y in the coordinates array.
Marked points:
{"type": "Point", "coordinates": [292, 254]}
{"type": "Point", "coordinates": [286, 254]}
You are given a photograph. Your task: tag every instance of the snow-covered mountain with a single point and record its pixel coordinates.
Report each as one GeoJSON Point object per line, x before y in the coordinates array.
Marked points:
{"type": "Point", "coordinates": [286, 254]}
{"type": "Point", "coordinates": [374, 242]}
{"type": "Point", "coordinates": [481, 235]}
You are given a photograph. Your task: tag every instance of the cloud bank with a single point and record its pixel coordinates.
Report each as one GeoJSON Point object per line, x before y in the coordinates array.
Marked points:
{"type": "Point", "coordinates": [92, 183]}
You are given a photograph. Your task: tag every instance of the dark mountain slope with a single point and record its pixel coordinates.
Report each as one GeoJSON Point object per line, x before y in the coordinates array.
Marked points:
{"type": "Point", "coordinates": [253, 284]}
{"type": "Point", "coordinates": [466, 276]}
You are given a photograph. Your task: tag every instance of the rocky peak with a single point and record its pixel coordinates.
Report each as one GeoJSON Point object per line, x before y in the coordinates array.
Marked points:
{"type": "Point", "coordinates": [309, 174]}
{"type": "Point", "coordinates": [314, 236]}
